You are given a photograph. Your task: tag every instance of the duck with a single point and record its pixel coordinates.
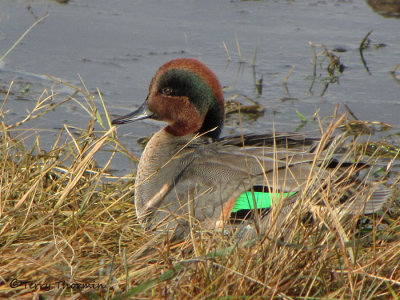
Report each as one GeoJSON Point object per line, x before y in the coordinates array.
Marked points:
{"type": "Point", "coordinates": [190, 176]}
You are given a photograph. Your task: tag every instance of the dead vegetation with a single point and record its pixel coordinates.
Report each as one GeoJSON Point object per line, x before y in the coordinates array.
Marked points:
{"type": "Point", "coordinates": [68, 231]}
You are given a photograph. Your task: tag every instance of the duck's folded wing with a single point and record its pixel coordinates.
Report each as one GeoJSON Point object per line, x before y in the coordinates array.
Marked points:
{"type": "Point", "coordinates": [229, 171]}
{"type": "Point", "coordinates": [281, 169]}
{"type": "Point", "coordinates": [218, 174]}
{"type": "Point", "coordinates": [289, 140]}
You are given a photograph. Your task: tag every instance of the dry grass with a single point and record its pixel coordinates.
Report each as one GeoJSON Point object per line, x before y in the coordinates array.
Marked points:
{"type": "Point", "coordinates": [67, 231]}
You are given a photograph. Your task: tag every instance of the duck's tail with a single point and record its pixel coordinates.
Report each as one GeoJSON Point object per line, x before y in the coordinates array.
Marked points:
{"type": "Point", "coordinates": [372, 198]}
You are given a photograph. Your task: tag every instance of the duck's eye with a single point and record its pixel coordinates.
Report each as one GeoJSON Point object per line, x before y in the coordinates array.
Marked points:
{"type": "Point", "coordinates": [167, 91]}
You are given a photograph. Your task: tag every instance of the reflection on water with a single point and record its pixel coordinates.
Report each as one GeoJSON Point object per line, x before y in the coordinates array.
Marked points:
{"type": "Point", "coordinates": [386, 8]}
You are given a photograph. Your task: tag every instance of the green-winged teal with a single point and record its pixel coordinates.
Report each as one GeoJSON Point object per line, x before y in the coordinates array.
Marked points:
{"type": "Point", "coordinates": [187, 173]}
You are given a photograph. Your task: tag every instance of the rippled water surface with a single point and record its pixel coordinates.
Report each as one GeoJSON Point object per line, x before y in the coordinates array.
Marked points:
{"type": "Point", "coordinates": [116, 46]}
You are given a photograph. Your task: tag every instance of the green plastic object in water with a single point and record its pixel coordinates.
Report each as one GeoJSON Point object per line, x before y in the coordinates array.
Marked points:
{"type": "Point", "coordinates": [263, 200]}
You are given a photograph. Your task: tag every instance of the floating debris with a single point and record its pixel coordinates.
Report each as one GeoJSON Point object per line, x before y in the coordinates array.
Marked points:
{"type": "Point", "coordinates": [379, 149]}
{"type": "Point", "coordinates": [233, 106]}
{"type": "Point", "coordinates": [358, 127]}
{"type": "Point", "coordinates": [143, 140]}
{"type": "Point", "coordinates": [388, 8]}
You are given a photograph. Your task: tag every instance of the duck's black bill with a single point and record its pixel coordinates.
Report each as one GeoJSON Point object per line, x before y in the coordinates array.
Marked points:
{"type": "Point", "coordinates": [141, 113]}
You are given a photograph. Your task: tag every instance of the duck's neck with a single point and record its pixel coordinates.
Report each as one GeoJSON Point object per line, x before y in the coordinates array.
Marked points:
{"type": "Point", "coordinates": [157, 166]}
{"type": "Point", "coordinates": [162, 146]}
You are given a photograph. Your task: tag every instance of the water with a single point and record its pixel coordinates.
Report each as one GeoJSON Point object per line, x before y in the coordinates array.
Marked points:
{"type": "Point", "coordinates": [117, 47]}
